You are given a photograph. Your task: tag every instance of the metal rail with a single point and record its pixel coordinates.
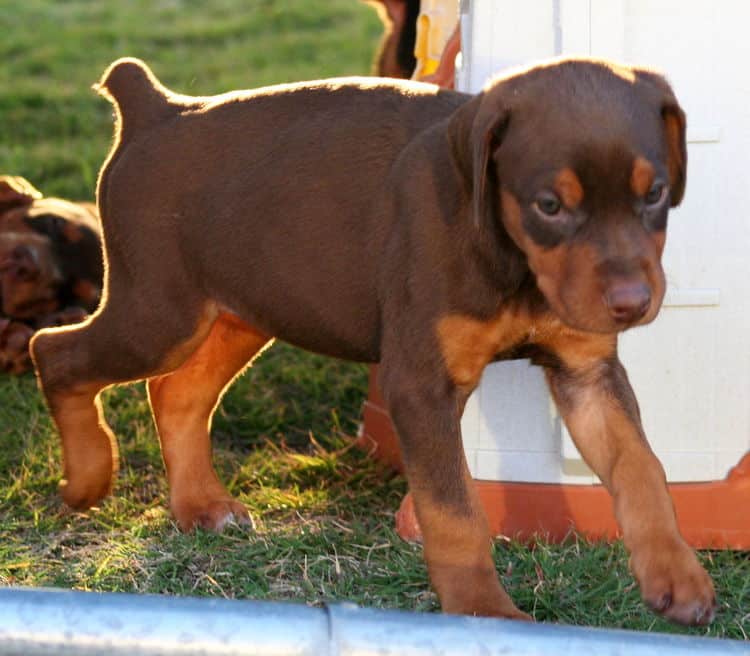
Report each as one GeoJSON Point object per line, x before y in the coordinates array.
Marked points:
{"type": "Point", "coordinates": [36, 622]}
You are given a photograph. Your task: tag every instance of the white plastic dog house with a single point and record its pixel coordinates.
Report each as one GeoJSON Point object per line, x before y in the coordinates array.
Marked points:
{"type": "Point", "coordinates": [691, 368]}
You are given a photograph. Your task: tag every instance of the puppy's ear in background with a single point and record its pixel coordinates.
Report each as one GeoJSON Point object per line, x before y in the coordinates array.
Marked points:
{"type": "Point", "coordinates": [16, 191]}
{"type": "Point", "coordinates": [674, 125]}
{"type": "Point", "coordinates": [674, 132]}
{"type": "Point", "coordinates": [395, 54]}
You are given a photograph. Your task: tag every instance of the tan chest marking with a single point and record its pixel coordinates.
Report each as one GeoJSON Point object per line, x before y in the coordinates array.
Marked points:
{"type": "Point", "coordinates": [468, 345]}
{"type": "Point", "coordinates": [578, 350]}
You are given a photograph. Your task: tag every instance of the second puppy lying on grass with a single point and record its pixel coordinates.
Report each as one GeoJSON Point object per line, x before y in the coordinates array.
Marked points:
{"type": "Point", "coordinates": [50, 266]}
{"type": "Point", "coordinates": [389, 222]}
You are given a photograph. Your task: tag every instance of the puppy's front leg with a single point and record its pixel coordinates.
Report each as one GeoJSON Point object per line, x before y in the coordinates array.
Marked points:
{"type": "Point", "coordinates": [426, 413]}
{"type": "Point", "coordinates": [594, 397]}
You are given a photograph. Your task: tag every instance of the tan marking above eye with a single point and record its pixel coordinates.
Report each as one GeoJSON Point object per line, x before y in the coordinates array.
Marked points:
{"type": "Point", "coordinates": [642, 176]}
{"type": "Point", "coordinates": [569, 188]}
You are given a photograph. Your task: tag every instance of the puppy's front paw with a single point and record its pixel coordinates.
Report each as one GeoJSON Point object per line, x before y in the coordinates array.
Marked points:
{"type": "Point", "coordinates": [14, 346]}
{"type": "Point", "coordinates": [673, 582]}
{"type": "Point", "coordinates": [210, 514]}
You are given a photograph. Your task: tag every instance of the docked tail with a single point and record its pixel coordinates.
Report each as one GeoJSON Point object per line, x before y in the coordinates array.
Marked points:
{"type": "Point", "coordinates": [140, 99]}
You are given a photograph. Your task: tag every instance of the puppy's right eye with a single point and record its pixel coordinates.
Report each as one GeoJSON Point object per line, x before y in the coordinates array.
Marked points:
{"type": "Point", "coordinates": [549, 204]}
{"type": "Point", "coordinates": [655, 195]}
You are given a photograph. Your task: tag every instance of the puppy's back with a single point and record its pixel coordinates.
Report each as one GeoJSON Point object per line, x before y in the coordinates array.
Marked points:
{"type": "Point", "coordinates": [243, 191]}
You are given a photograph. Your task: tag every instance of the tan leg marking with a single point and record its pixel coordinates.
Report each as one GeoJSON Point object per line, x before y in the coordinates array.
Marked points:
{"type": "Point", "coordinates": [601, 413]}
{"type": "Point", "coordinates": [458, 556]}
{"type": "Point", "coordinates": [90, 454]}
{"type": "Point", "coordinates": [183, 403]}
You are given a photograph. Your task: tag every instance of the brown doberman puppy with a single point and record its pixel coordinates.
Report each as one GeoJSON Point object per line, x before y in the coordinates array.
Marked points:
{"type": "Point", "coordinates": [395, 54]}
{"type": "Point", "coordinates": [50, 266]}
{"type": "Point", "coordinates": [392, 222]}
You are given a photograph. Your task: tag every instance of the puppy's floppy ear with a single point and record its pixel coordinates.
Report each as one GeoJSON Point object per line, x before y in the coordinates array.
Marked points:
{"type": "Point", "coordinates": [16, 192]}
{"type": "Point", "coordinates": [674, 130]}
{"type": "Point", "coordinates": [674, 124]}
{"type": "Point", "coordinates": [475, 132]}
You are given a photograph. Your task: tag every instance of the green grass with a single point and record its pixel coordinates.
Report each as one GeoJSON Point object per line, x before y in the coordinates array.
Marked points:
{"type": "Point", "coordinates": [324, 512]}
{"type": "Point", "coordinates": [55, 131]}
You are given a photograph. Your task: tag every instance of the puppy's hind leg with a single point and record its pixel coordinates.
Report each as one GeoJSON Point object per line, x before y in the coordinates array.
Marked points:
{"type": "Point", "coordinates": [125, 340]}
{"type": "Point", "coordinates": [183, 403]}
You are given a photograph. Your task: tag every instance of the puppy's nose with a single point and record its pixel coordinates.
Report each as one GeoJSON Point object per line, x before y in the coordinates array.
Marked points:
{"type": "Point", "coordinates": [22, 263]}
{"type": "Point", "coordinates": [628, 302]}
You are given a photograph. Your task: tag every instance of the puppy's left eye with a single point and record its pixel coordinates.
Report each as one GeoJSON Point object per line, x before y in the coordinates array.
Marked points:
{"type": "Point", "coordinates": [548, 204]}
{"type": "Point", "coordinates": [655, 195]}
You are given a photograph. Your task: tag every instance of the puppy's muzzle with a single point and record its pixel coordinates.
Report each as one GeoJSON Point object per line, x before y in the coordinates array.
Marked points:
{"type": "Point", "coordinates": [628, 302]}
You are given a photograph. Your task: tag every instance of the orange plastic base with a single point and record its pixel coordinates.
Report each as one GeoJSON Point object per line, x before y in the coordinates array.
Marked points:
{"type": "Point", "coordinates": [377, 435]}
{"type": "Point", "coordinates": [712, 515]}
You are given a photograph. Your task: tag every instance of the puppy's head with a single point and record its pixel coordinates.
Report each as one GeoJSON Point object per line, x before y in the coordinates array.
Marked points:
{"type": "Point", "coordinates": [578, 162]}
{"type": "Point", "coordinates": [48, 249]}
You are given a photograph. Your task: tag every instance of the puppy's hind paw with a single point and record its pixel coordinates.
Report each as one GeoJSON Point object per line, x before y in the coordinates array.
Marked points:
{"type": "Point", "coordinates": [213, 515]}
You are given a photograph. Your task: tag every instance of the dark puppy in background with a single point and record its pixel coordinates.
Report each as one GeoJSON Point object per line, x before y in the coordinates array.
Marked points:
{"type": "Point", "coordinates": [50, 266]}
{"type": "Point", "coordinates": [393, 222]}
{"type": "Point", "coordinates": [395, 54]}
